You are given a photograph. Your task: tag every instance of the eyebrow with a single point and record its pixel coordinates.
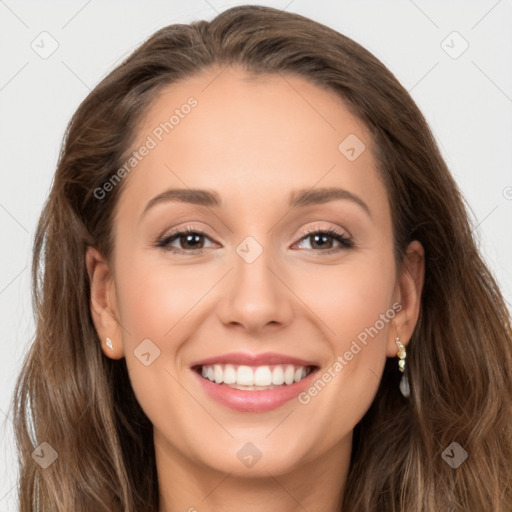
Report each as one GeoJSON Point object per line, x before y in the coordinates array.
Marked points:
{"type": "Point", "coordinates": [298, 198]}
{"type": "Point", "coordinates": [307, 197]}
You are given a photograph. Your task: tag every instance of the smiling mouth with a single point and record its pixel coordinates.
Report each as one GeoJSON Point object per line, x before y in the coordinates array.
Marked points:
{"type": "Point", "coordinates": [254, 378]}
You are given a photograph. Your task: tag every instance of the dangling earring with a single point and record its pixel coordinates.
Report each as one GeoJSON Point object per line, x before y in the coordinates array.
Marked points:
{"type": "Point", "coordinates": [404, 382]}
{"type": "Point", "coordinates": [108, 342]}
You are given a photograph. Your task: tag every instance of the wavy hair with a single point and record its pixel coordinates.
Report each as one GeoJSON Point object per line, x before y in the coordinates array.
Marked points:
{"type": "Point", "coordinates": [81, 403]}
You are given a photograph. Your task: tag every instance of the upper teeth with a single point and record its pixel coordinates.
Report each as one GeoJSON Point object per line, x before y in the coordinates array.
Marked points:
{"type": "Point", "coordinates": [254, 376]}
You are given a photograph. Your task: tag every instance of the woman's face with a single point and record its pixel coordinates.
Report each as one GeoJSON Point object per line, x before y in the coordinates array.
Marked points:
{"type": "Point", "coordinates": [251, 294]}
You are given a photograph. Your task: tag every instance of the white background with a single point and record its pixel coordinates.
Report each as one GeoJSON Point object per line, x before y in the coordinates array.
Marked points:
{"type": "Point", "coordinates": [467, 101]}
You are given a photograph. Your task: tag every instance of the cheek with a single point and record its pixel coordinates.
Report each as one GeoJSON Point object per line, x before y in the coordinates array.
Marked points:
{"type": "Point", "coordinates": [153, 297]}
{"type": "Point", "coordinates": [356, 304]}
{"type": "Point", "coordinates": [351, 297]}
{"type": "Point", "coordinates": [156, 302]}
{"type": "Point", "coordinates": [152, 300]}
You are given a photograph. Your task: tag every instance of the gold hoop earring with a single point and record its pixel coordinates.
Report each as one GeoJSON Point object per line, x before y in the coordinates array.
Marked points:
{"type": "Point", "coordinates": [404, 381]}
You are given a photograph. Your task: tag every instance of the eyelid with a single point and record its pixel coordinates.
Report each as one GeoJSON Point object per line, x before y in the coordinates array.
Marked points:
{"type": "Point", "coordinates": [327, 229]}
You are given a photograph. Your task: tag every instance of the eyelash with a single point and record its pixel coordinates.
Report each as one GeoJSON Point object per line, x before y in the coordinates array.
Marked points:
{"type": "Point", "coordinates": [163, 242]}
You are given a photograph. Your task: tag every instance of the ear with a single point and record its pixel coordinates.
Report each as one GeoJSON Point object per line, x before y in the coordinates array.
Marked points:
{"type": "Point", "coordinates": [103, 303]}
{"type": "Point", "coordinates": [408, 294]}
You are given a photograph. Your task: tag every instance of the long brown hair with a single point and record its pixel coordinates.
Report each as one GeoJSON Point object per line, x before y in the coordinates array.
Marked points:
{"type": "Point", "coordinates": [459, 361]}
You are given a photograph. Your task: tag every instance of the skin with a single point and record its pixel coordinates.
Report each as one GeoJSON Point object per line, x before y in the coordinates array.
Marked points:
{"type": "Point", "coordinates": [253, 140]}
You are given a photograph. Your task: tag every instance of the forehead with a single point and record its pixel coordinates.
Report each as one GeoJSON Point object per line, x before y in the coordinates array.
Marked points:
{"type": "Point", "coordinates": [253, 137]}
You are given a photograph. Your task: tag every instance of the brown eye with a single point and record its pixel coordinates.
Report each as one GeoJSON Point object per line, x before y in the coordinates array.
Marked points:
{"type": "Point", "coordinates": [190, 241]}
{"type": "Point", "coordinates": [187, 240]}
{"type": "Point", "coordinates": [323, 240]}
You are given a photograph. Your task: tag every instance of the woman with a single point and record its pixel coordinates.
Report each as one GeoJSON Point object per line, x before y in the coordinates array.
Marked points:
{"type": "Point", "coordinates": [256, 285]}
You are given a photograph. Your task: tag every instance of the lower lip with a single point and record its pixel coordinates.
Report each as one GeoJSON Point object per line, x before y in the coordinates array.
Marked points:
{"type": "Point", "coordinates": [254, 401]}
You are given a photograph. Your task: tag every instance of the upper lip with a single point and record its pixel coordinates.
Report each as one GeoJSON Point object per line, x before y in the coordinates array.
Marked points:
{"type": "Point", "coordinates": [245, 358]}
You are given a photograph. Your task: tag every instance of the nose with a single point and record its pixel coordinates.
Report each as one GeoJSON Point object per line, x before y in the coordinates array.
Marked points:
{"type": "Point", "coordinates": [256, 296]}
